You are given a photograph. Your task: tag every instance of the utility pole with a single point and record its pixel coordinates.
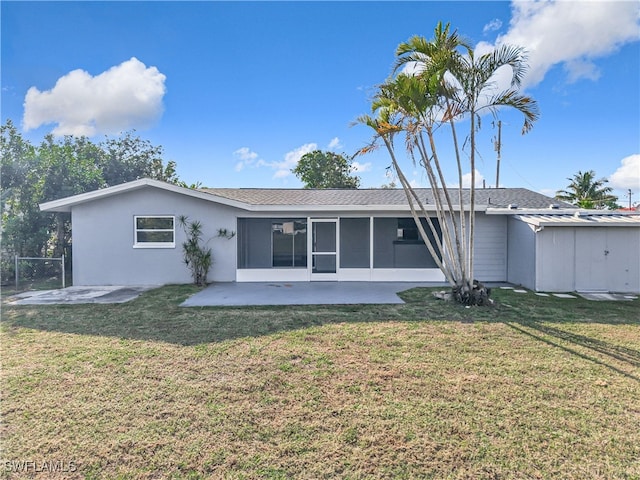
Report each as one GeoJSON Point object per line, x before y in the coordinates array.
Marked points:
{"type": "Point", "coordinates": [629, 193]}
{"type": "Point", "coordinates": [498, 145]}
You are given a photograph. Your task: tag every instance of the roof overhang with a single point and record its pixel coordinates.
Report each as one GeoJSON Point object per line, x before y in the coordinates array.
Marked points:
{"type": "Point", "coordinates": [66, 204]}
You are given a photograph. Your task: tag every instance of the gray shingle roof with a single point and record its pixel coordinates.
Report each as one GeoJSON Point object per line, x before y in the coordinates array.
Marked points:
{"type": "Point", "coordinates": [492, 197]}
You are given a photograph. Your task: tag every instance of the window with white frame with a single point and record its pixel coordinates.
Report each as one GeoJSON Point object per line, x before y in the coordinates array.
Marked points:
{"type": "Point", "coordinates": [154, 231]}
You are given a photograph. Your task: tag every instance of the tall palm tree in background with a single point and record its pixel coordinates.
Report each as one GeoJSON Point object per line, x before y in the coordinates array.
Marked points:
{"type": "Point", "coordinates": [448, 83]}
{"type": "Point", "coordinates": [587, 192]}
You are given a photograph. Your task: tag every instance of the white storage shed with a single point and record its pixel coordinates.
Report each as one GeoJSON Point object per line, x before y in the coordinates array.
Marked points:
{"type": "Point", "coordinates": [565, 251]}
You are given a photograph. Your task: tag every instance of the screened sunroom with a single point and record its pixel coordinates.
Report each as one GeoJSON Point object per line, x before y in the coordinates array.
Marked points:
{"type": "Point", "coordinates": [343, 248]}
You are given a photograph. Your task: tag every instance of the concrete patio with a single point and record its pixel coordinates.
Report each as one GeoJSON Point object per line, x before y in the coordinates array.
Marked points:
{"type": "Point", "coordinates": [301, 293]}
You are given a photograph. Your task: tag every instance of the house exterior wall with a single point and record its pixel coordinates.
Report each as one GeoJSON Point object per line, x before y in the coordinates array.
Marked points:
{"type": "Point", "coordinates": [104, 252]}
{"type": "Point", "coordinates": [521, 248]}
{"type": "Point", "coordinates": [103, 238]}
{"type": "Point", "coordinates": [490, 248]}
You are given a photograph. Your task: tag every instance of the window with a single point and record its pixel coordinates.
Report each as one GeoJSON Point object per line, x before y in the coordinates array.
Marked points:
{"type": "Point", "coordinates": [408, 231]}
{"type": "Point", "coordinates": [154, 232]}
{"type": "Point", "coordinates": [398, 244]}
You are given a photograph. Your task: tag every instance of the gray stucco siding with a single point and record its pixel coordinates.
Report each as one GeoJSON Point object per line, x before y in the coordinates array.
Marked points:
{"type": "Point", "coordinates": [103, 239]}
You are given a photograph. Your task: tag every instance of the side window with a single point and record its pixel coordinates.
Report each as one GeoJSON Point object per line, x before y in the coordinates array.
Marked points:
{"type": "Point", "coordinates": [408, 230]}
{"type": "Point", "coordinates": [154, 232]}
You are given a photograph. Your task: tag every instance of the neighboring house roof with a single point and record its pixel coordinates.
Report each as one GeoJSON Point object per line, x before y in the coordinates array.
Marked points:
{"type": "Point", "coordinates": [261, 199]}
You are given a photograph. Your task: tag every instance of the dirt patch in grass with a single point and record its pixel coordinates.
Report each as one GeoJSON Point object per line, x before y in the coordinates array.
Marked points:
{"type": "Point", "coordinates": [533, 388]}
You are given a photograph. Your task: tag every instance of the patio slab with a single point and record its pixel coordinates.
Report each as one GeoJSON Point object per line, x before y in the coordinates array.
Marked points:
{"type": "Point", "coordinates": [301, 293]}
{"type": "Point", "coordinates": [79, 294]}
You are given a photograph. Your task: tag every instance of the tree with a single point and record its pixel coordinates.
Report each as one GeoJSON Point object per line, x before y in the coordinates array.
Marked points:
{"type": "Point", "coordinates": [58, 168]}
{"type": "Point", "coordinates": [196, 255]}
{"type": "Point", "coordinates": [69, 167]}
{"type": "Point", "coordinates": [587, 192]}
{"type": "Point", "coordinates": [130, 157]}
{"type": "Point", "coordinates": [450, 84]}
{"type": "Point", "coordinates": [320, 169]}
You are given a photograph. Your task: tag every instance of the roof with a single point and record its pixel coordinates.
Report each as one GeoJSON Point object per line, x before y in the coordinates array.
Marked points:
{"type": "Point", "coordinates": [382, 197]}
{"type": "Point", "coordinates": [263, 199]}
{"type": "Point", "coordinates": [582, 218]}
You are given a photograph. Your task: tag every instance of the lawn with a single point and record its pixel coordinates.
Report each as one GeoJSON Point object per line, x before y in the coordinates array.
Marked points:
{"type": "Point", "coordinates": [535, 387]}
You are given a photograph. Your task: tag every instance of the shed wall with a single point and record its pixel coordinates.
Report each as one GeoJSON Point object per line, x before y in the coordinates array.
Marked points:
{"type": "Point", "coordinates": [103, 237]}
{"type": "Point", "coordinates": [555, 259]}
{"type": "Point", "coordinates": [588, 259]}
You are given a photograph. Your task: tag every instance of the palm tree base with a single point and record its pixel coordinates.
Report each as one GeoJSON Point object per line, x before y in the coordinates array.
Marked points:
{"type": "Point", "coordinates": [478, 295]}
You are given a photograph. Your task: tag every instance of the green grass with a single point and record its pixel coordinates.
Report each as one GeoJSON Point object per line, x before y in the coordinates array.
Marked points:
{"type": "Point", "coordinates": [535, 387]}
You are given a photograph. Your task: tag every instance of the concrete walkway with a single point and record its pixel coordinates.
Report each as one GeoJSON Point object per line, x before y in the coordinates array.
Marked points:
{"type": "Point", "coordinates": [301, 293]}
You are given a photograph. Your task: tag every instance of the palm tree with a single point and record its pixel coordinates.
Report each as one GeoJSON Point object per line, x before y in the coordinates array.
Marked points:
{"type": "Point", "coordinates": [587, 192]}
{"type": "Point", "coordinates": [449, 84]}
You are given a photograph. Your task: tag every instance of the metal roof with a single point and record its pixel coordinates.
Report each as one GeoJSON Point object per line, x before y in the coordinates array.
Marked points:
{"type": "Point", "coordinates": [582, 218]}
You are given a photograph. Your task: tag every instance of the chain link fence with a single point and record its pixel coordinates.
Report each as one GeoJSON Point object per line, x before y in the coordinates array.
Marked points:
{"type": "Point", "coordinates": [39, 273]}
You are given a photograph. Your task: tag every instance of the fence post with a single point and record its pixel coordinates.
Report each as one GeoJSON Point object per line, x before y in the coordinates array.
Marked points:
{"type": "Point", "coordinates": [16, 273]}
{"type": "Point", "coordinates": [63, 274]}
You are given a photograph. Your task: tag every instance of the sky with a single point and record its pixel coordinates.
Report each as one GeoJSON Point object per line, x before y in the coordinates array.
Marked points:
{"type": "Point", "coordinates": [237, 92]}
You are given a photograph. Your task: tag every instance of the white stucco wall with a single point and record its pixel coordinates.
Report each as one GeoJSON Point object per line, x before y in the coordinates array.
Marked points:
{"type": "Point", "coordinates": [103, 238]}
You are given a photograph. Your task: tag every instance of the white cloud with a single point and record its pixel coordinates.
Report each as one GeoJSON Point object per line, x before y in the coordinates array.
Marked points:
{"type": "Point", "coordinates": [492, 26]}
{"type": "Point", "coordinates": [466, 180]}
{"type": "Point", "coordinates": [628, 174]}
{"type": "Point", "coordinates": [571, 34]}
{"type": "Point", "coordinates": [334, 144]}
{"type": "Point", "coordinates": [126, 96]}
{"type": "Point", "coordinates": [245, 157]}
{"type": "Point", "coordinates": [291, 159]}
{"type": "Point", "coordinates": [245, 154]}
{"type": "Point", "coordinates": [358, 167]}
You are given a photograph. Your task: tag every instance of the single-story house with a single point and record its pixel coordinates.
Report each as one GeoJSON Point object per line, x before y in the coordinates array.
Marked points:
{"type": "Point", "coordinates": [129, 234]}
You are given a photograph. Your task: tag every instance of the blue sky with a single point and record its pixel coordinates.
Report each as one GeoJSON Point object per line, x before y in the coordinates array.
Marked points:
{"type": "Point", "coordinates": [235, 92]}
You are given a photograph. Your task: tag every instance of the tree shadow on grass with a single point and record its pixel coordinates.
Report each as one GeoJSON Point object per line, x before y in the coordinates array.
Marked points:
{"type": "Point", "coordinates": [157, 316]}
{"type": "Point", "coordinates": [606, 350]}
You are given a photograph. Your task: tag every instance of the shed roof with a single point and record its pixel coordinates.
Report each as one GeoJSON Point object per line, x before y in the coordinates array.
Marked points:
{"type": "Point", "coordinates": [582, 218]}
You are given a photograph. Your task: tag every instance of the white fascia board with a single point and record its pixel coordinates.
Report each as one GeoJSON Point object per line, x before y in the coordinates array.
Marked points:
{"type": "Point", "coordinates": [65, 204]}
